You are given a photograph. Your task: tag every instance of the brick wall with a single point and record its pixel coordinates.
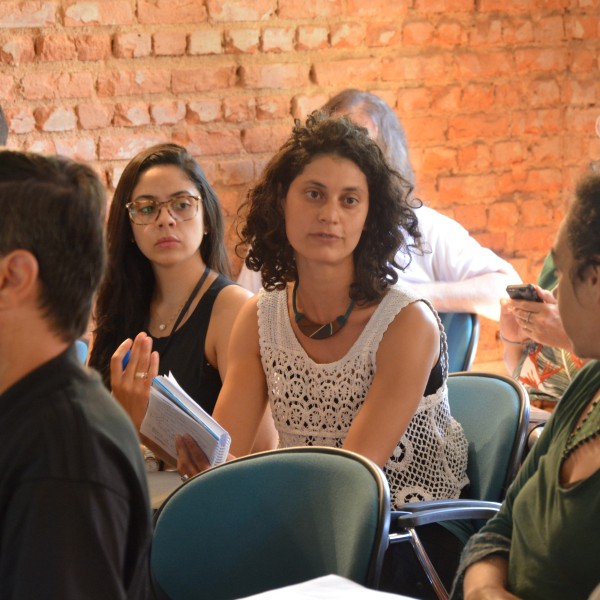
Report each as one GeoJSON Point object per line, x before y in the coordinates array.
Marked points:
{"type": "Point", "coordinates": [499, 97]}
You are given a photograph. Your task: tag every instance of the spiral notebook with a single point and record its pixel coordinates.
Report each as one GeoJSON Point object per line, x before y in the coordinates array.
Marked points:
{"type": "Point", "coordinates": [171, 411]}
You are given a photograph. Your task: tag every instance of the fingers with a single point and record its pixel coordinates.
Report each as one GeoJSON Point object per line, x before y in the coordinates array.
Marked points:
{"type": "Point", "coordinates": [190, 458]}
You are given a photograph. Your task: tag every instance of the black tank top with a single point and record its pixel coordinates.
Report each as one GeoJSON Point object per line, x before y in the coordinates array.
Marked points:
{"type": "Point", "coordinates": [185, 356]}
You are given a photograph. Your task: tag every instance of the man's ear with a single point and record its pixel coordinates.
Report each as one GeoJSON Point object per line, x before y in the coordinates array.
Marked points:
{"type": "Point", "coordinates": [18, 276]}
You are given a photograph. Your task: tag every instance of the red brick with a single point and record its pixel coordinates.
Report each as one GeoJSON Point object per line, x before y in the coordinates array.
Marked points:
{"type": "Point", "coordinates": [132, 45]}
{"type": "Point", "coordinates": [124, 147]}
{"type": "Point", "coordinates": [206, 41]}
{"type": "Point", "coordinates": [510, 94]}
{"type": "Point", "coordinates": [506, 6]}
{"type": "Point", "coordinates": [537, 122]}
{"type": "Point", "coordinates": [387, 35]}
{"type": "Point", "coordinates": [474, 158]}
{"type": "Point", "coordinates": [412, 100]}
{"type": "Point", "coordinates": [127, 83]}
{"type": "Point", "coordinates": [100, 12]}
{"type": "Point", "coordinates": [282, 75]}
{"type": "Point", "coordinates": [477, 97]}
{"type": "Point", "coordinates": [27, 14]}
{"type": "Point", "coordinates": [310, 9]}
{"type": "Point", "coordinates": [55, 47]}
{"type": "Point", "coordinates": [507, 153]}
{"type": "Point", "coordinates": [473, 217]}
{"type": "Point", "coordinates": [204, 79]}
{"type": "Point", "coordinates": [239, 108]}
{"type": "Point", "coordinates": [131, 114]}
{"type": "Point", "coordinates": [338, 74]}
{"type": "Point", "coordinates": [580, 93]}
{"type": "Point", "coordinates": [478, 126]}
{"type": "Point", "coordinates": [471, 65]}
{"type": "Point", "coordinates": [376, 8]}
{"type": "Point", "coordinates": [55, 119]}
{"type": "Point", "coordinates": [582, 26]}
{"type": "Point", "coordinates": [20, 120]}
{"type": "Point", "coordinates": [242, 41]}
{"type": "Point", "coordinates": [502, 215]}
{"type": "Point", "coordinates": [265, 138]}
{"type": "Point", "coordinates": [234, 172]}
{"type": "Point", "coordinates": [241, 10]}
{"type": "Point", "coordinates": [210, 143]}
{"type": "Point", "coordinates": [17, 50]}
{"type": "Point", "coordinates": [468, 189]}
{"type": "Point", "coordinates": [348, 35]}
{"type": "Point", "coordinates": [43, 86]}
{"type": "Point", "coordinates": [169, 43]}
{"type": "Point", "coordinates": [535, 213]}
{"type": "Point", "coordinates": [204, 111]}
{"type": "Point", "coordinates": [312, 38]}
{"type": "Point", "coordinates": [272, 107]}
{"type": "Point", "coordinates": [583, 60]}
{"type": "Point", "coordinates": [168, 113]}
{"type": "Point", "coordinates": [278, 39]}
{"type": "Point", "coordinates": [425, 129]}
{"type": "Point", "coordinates": [40, 146]}
{"type": "Point", "coordinates": [303, 105]}
{"type": "Point", "coordinates": [160, 12]}
{"type": "Point", "coordinates": [447, 99]}
{"type": "Point", "coordinates": [8, 87]}
{"type": "Point", "coordinates": [543, 93]}
{"type": "Point", "coordinates": [549, 29]}
{"type": "Point", "coordinates": [77, 148]}
{"type": "Point", "coordinates": [433, 67]}
{"type": "Point", "coordinates": [534, 239]}
{"type": "Point", "coordinates": [451, 33]}
{"type": "Point", "coordinates": [517, 31]}
{"type": "Point", "coordinates": [528, 60]}
{"type": "Point", "coordinates": [438, 158]}
{"type": "Point", "coordinates": [546, 181]}
{"type": "Point", "coordinates": [95, 115]}
{"type": "Point", "coordinates": [486, 32]}
{"type": "Point", "coordinates": [93, 47]}
{"type": "Point", "coordinates": [418, 33]}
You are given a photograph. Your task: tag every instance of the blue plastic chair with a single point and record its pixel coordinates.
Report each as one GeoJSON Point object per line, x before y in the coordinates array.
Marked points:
{"type": "Point", "coordinates": [270, 520]}
{"type": "Point", "coordinates": [462, 333]}
{"type": "Point", "coordinates": [82, 351]}
{"type": "Point", "coordinates": [494, 413]}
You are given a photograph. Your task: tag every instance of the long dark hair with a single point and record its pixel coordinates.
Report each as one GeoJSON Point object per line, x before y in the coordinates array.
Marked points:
{"type": "Point", "coordinates": [123, 305]}
{"type": "Point", "coordinates": [390, 220]}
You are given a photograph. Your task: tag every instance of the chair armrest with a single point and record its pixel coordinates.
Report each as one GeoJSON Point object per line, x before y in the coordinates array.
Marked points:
{"type": "Point", "coordinates": [424, 513]}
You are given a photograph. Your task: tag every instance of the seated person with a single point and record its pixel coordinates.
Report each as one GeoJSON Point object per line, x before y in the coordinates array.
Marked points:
{"type": "Point", "coordinates": [454, 271]}
{"type": "Point", "coordinates": [537, 351]}
{"type": "Point", "coordinates": [545, 541]}
{"type": "Point", "coordinates": [342, 356]}
{"type": "Point", "coordinates": [74, 508]}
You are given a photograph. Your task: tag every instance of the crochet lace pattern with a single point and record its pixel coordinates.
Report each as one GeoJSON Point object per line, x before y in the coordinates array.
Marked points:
{"type": "Point", "coordinates": [314, 404]}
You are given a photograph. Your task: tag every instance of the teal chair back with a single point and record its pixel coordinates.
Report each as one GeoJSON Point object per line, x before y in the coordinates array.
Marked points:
{"type": "Point", "coordinates": [494, 413]}
{"type": "Point", "coordinates": [462, 334]}
{"type": "Point", "coordinates": [270, 520]}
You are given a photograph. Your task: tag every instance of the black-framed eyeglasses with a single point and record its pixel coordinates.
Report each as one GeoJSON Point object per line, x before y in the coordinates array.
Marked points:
{"type": "Point", "coordinates": [181, 207]}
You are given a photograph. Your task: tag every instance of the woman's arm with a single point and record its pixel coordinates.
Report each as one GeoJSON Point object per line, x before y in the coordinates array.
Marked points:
{"type": "Point", "coordinates": [408, 351]}
{"type": "Point", "coordinates": [487, 580]}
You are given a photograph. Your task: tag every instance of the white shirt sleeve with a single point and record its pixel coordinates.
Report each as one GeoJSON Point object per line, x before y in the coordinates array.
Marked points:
{"type": "Point", "coordinates": [449, 253]}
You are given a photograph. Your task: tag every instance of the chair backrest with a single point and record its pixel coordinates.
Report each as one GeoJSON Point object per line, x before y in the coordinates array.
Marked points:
{"type": "Point", "coordinates": [462, 333]}
{"type": "Point", "coordinates": [270, 520]}
{"type": "Point", "coordinates": [494, 413]}
{"type": "Point", "coordinates": [82, 351]}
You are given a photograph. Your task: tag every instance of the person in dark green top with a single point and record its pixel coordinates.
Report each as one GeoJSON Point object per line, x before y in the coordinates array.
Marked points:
{"type": "Point", "coordinates": [545, 541]}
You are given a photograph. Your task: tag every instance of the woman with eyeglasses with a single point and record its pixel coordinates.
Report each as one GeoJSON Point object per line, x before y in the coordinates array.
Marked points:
{"type": "Point", "coordinates": [166, 303]}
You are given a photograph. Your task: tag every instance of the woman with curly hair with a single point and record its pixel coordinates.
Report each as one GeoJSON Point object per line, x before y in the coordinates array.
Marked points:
{"type": "Point", "coordinates": [343, 356]}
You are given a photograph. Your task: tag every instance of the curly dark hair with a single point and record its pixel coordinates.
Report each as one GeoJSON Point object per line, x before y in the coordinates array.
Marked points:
{"type": "Point", "coordinates": [391, 221]}
{"type": "Point", "coordinates": [583, 225]}
{"type": "Point", "coordinates": [123, 305]}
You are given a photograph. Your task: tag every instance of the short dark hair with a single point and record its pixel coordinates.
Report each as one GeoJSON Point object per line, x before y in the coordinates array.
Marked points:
{"type": "Point", "coordinates": [583, 225]}
{"type": "Point", "coordinates": [54, 208]}
{"type": "Point", "coordinates": [390, 133]}
{"type": "Point", "coordinates": [3, 128]}
{"type": "Point", "coordinates": [123, 305]}
{"type": "Point", "coordinates": [390, 223]}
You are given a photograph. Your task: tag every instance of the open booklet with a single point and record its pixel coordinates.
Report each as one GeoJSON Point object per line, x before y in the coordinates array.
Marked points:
{"type": "Point", "coordinates": [171, 411]}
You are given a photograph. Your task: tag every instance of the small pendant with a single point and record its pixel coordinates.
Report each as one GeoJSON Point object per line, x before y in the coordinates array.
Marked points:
{"type": "Point", "coordinates": [162, 326]}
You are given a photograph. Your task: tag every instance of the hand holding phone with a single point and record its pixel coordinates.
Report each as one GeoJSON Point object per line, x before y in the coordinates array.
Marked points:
{"type": "Point", "coordinates": [523, 292]}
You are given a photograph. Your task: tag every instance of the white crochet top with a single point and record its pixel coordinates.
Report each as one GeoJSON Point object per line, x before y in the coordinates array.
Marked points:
{"type": "Point", "coordinates": [314, 404]}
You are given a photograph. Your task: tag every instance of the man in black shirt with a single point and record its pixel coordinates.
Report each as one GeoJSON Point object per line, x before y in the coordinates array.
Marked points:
{"type": "Point", "coordinates": [74, 508]}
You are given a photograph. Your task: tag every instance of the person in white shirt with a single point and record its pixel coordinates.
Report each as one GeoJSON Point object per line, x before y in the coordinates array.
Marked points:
{"type": "Point", "coordinates": [454, 271]}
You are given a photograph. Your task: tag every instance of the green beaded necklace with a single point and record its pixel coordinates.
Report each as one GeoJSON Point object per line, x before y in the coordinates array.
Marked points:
{"type": "Point", "coordinates": [588, 429]}
{"type": "Point", "coordinates": [317, 331]}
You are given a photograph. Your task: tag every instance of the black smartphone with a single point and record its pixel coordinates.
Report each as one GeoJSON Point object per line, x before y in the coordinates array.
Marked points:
{"type": "Point", "coordinates": [524, 291]}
